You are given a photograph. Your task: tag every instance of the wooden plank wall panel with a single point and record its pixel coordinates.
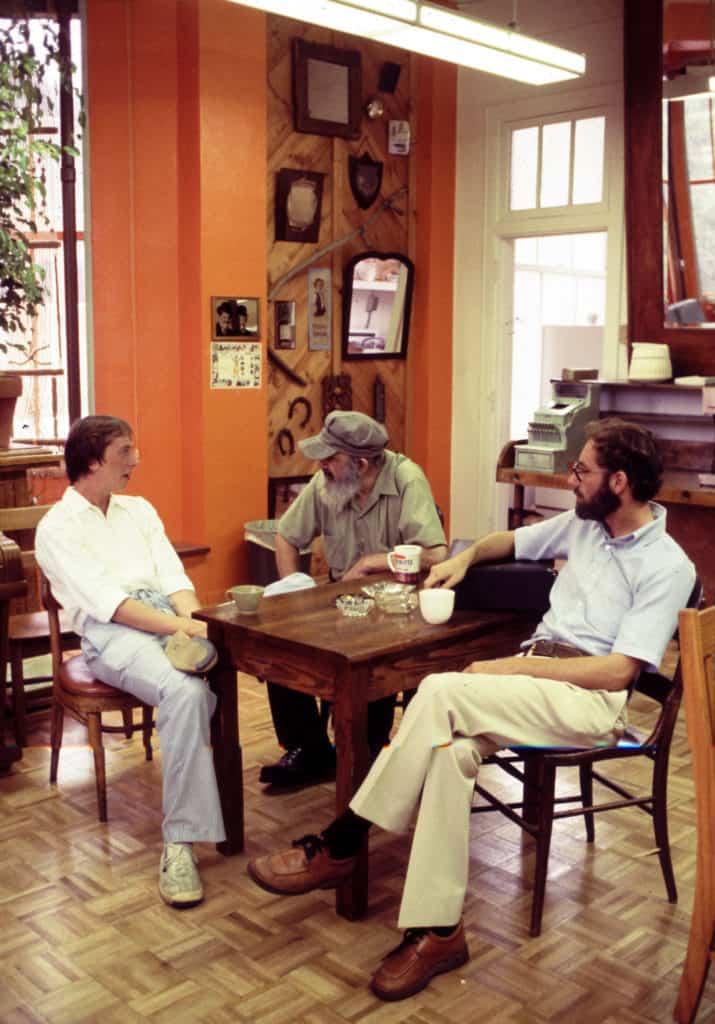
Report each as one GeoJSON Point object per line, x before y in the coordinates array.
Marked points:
{"type": "Point", "coordinates": [340, 214]}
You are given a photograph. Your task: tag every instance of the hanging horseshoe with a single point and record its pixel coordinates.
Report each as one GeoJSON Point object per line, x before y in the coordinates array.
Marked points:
{"type": "Point", "coordinates": [285, 436]}
{"type": "Point", "coordinates": [308, 410]}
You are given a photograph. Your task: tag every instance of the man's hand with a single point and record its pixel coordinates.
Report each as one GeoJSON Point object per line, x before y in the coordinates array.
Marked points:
{"type": "Point", "coordinates": [450, 572]}
{"type": "Point", "coordinates": [192, 627]}
{"type": "Point", "coordinates": [365, 566]}
{"type": "Point", "coordinates": [498, 667]}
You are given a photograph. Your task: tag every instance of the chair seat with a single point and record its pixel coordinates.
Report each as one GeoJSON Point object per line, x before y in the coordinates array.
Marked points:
{"type": "Point", "coordinates": [76, 678]}
{"type": "Point", "coordinates": [34, 626]}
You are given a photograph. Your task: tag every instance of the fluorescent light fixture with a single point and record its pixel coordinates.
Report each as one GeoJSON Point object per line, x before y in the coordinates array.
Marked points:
{"type": "Point", "coordinates": [436, 32]}
{"type": "Point", "coordinates": [696, 80]}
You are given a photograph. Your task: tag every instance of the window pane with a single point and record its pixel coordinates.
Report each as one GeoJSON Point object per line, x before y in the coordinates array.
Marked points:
{"type": "Point", "coordinates": [559, 299]}
{"type": "Point", "coordinates": [588, 160]}
{"type": "Point", "coordinates": [703, 202]}
{"type": "Point", "coordinates": [526, 349]}
{"type": "Point", "coordinates": [524, 157]}
{"type": "Point", "coordinates": [525, 250]}
{"type": "Point", "coordinates": [555, 251]}
{"type": "Point", "coordinates": [590, 300]}
{"type": "Point", "coordinates": [555, 160]}
{"type": "Point", "coordinates": [589, 251]}
{"type": "Point", "coordinates": [698, 137]}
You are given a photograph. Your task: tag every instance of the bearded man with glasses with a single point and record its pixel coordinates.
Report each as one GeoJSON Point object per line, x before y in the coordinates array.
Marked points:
{"type": "Point", "coordinates": [613, 609]}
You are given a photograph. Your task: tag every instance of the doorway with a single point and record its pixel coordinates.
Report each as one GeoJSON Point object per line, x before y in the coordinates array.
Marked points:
{"type": "Point", "coordinates": [559, 310]}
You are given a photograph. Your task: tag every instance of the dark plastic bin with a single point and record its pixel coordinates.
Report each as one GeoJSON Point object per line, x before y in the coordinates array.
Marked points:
{"type": "Point", "coordinates": [260, 537]}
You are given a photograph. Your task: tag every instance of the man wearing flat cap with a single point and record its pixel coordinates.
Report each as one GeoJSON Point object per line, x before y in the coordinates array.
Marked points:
{"type": "Point", "coordinates": [363, 501]}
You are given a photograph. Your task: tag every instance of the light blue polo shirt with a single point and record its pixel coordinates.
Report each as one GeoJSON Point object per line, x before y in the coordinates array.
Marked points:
{"type": "Point", "coordinates": [617, 595]}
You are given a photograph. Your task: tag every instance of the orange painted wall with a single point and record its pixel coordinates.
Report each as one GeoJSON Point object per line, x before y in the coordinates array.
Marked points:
{"type": "Point", "coordinates": [430, 418]}
{"type": "Point", "coordinates": [176, 98]}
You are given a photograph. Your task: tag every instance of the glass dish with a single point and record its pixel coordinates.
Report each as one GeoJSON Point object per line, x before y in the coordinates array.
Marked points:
{"type": "Point", "coordinates": [354, 606]}
{"type": "Point", "coordinates": [393, 598]}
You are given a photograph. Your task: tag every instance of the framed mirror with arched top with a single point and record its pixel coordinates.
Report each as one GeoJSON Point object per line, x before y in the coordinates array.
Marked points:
{"type": "Point", "coordinates": [377, 301]}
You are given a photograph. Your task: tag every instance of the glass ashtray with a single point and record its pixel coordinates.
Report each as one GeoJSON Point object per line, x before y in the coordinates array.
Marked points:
{"type": "Point", "coordinates": [387, 588]}
{"type": "Point", "coordinates": [393, 598]}
{"type": "Point", "coordinates": [354, 606]}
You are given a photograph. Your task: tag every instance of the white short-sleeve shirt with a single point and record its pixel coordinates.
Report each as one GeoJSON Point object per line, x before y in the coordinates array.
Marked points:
{"type": "Point", "coordinates": [618, 595]}
{"type": "Point", "coordinates": [94, 561]}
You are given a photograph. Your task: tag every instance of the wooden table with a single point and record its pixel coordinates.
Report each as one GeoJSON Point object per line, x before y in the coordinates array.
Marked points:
{"type": "Point", "coordinates": [303, 642]}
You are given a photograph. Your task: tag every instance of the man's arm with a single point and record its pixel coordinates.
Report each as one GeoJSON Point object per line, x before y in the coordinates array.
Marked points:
{"type": "Point", "coordinates": [287, 557]}
{"type": "Point", "coordinates": [591, 672]}
{"type": "Point", "coordinates": [492, 548]}
{"type": "Point", "coordinates": [369, 564]}
{"type": "Point", "coordinates": [142, 616]}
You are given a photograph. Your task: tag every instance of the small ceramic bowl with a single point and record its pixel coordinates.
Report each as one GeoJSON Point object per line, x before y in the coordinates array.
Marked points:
{"type": "Point", "coordinates": [354, 606]}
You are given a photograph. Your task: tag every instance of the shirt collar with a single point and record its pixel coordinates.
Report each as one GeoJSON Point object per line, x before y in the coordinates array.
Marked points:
{"type": "Point", "coordinates": [79, 503]}
{"type": "Point", "coordinates": [644, 535]}
{"type": "Point", "coordinates": [384, 484]}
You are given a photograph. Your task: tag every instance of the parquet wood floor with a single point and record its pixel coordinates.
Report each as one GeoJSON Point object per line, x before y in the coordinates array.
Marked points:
{"type": "Point", "coordinates": [85, 937]}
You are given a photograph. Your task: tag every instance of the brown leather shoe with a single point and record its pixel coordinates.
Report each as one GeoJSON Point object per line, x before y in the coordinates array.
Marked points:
{"type": "Point", "coordinates": [420, 956]}
{"type": "Point", "coordinates": [305, 867]}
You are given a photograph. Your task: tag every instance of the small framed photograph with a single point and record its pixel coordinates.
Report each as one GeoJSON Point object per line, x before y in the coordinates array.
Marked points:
{"type": "Point", "coordinates": [282, 492]}
{"type": "Point", "coordinates": [327, 90]}
{"type": "Point", "coordinates": [319, 309]}
{"type": "Point", "coordinates": [299, 199]}
{"type": "Point", "coordinates": [284, 336]}
{"type": "Point", "coordinates": [233, 317]}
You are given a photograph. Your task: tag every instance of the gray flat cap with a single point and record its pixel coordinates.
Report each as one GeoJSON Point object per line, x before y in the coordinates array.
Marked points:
{"type": "Point", "coordinates": [350, 432]}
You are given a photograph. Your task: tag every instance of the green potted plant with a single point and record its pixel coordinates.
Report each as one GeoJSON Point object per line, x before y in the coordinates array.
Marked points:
{"type": "Point", "coordinates": [28, 58]}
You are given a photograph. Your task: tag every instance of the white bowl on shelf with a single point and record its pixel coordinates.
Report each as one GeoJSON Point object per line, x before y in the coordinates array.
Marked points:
{"type": "Point", "coordinates": [650, 361]}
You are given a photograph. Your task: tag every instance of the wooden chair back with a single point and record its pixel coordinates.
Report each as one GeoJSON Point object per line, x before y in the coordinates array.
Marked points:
{"type": "Point", "coordinates": [697, 647]}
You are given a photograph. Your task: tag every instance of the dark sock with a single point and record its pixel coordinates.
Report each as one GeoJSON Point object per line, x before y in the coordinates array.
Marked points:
{"type": "Point", "coordinates": [443, 931]}
{"type": "Point", "coordinates": [344, 836]}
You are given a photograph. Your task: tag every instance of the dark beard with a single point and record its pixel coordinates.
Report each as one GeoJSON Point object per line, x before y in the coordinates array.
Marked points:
{"type": "Point", "coordinates": [601, 505]}
{"type": "Point", "coordinates": [339, 493]}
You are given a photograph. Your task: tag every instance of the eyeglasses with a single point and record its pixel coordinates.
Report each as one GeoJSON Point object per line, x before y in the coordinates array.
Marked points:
{"type": "Point", "coordinates": [580, 471]}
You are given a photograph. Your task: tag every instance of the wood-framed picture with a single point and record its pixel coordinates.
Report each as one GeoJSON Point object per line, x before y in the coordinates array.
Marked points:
{"type": "Point", "coordinates": [327, 90]}
{"type": "Point", "coordinates": [234, 317]}
{"type": "Point", "coordinates": [282, 492]}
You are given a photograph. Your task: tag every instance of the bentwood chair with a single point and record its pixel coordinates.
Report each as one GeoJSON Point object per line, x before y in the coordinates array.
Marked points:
{"type": "Point", "coordinates": [75, 689]}
{"type": "Point", "coordinates": [697, 645]}
{"type": "Point", "coordinates": [536, 769]}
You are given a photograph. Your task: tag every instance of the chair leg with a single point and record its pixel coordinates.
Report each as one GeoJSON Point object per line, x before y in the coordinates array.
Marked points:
{"type": "Point", "coordinates": [94, 728]}
{"type": "Point", "coordinates": [660, 826]}
{"type": "Point", "coordinates": [128, 720]}
{"type": "Point", "coordinates": [586, 780]}
{"type": "Point", "coordinates": [147, 725]}
{"type": "Point", "coordinates": [56, 730]}
{"type": "Point", "coordinates": [543, 844]}
{"type": "Point", "coordinates": [18, 693]}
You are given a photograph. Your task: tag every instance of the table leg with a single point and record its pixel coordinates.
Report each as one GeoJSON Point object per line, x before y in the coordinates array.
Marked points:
{"type": "Point", "coordinates": [351, 746]}
{"type": "Point", "coordinates": [228, 761]}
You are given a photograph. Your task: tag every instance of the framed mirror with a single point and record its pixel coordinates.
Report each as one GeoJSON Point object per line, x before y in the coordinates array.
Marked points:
{"type": "Point", "coordinates": [690, 349]}
{"type": "Point", "coordinates": [377, 301]}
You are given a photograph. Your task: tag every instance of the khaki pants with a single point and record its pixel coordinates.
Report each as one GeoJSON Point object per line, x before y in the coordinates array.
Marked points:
{"type": "Point", "coordinates": [454, 720]}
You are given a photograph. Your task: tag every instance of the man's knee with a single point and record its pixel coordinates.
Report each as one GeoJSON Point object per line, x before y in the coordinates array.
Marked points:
{"type": "Point", "coordinates": [466, 754]}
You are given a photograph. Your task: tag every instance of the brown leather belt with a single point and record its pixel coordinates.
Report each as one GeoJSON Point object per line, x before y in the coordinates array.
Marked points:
{"type": "Point", "coordinates": [554, 649]}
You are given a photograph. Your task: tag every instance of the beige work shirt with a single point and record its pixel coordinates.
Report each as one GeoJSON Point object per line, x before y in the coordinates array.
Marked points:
{"type": "Point", "coordinates": [400, 510]}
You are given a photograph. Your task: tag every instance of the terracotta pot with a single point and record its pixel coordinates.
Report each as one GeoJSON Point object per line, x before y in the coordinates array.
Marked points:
{"type": "Point", "coordinates": [10, 391]}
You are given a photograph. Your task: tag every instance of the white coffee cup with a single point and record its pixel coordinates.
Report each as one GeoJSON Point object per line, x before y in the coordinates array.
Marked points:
{"type": "Point", "coordinates": [436, 605]}
{"type": "Point", "coordinates": [404, 561]}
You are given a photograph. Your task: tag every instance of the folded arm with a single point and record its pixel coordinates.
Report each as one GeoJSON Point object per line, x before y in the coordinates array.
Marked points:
{"type": "Point", "coordinates": [142, 616]}
{"type": "Point", "coordinates": [592, 672]}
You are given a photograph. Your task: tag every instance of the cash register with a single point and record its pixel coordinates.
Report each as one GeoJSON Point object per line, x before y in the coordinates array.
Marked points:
{"type": "Point", "coordinates": [556, 433]}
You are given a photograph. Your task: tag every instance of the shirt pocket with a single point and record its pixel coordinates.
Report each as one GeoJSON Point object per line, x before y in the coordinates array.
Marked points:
{"type": "Point", "coordinates": [607, 601]}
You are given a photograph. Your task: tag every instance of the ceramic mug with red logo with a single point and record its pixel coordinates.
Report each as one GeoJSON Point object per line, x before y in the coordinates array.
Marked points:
{"type": "Point", "coordinates": [404, 562]}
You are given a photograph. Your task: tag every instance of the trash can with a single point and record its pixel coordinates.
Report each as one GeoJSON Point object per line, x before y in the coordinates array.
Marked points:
{"type": "Point", "coordinates": [260, 536]}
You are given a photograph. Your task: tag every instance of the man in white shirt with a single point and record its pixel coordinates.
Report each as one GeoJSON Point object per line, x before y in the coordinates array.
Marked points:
{"type": "Point", "coordinates": [124, 589]}
{"type": "Point", "coordinates": [613, 609]}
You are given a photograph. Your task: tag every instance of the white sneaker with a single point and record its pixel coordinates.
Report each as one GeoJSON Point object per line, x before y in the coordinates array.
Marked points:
{"type": "Point", "coordinates": [179, 882]}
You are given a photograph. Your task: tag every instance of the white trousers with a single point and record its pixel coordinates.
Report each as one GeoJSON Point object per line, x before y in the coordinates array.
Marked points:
{"type": "Point", "coordinates": [454, 720]}
{"type": "Point", "coordinates": [134, 661]}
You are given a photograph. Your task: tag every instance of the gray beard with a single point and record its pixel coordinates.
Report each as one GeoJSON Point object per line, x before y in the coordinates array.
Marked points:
{"type": "Point", "coordinates": [337, 494]}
